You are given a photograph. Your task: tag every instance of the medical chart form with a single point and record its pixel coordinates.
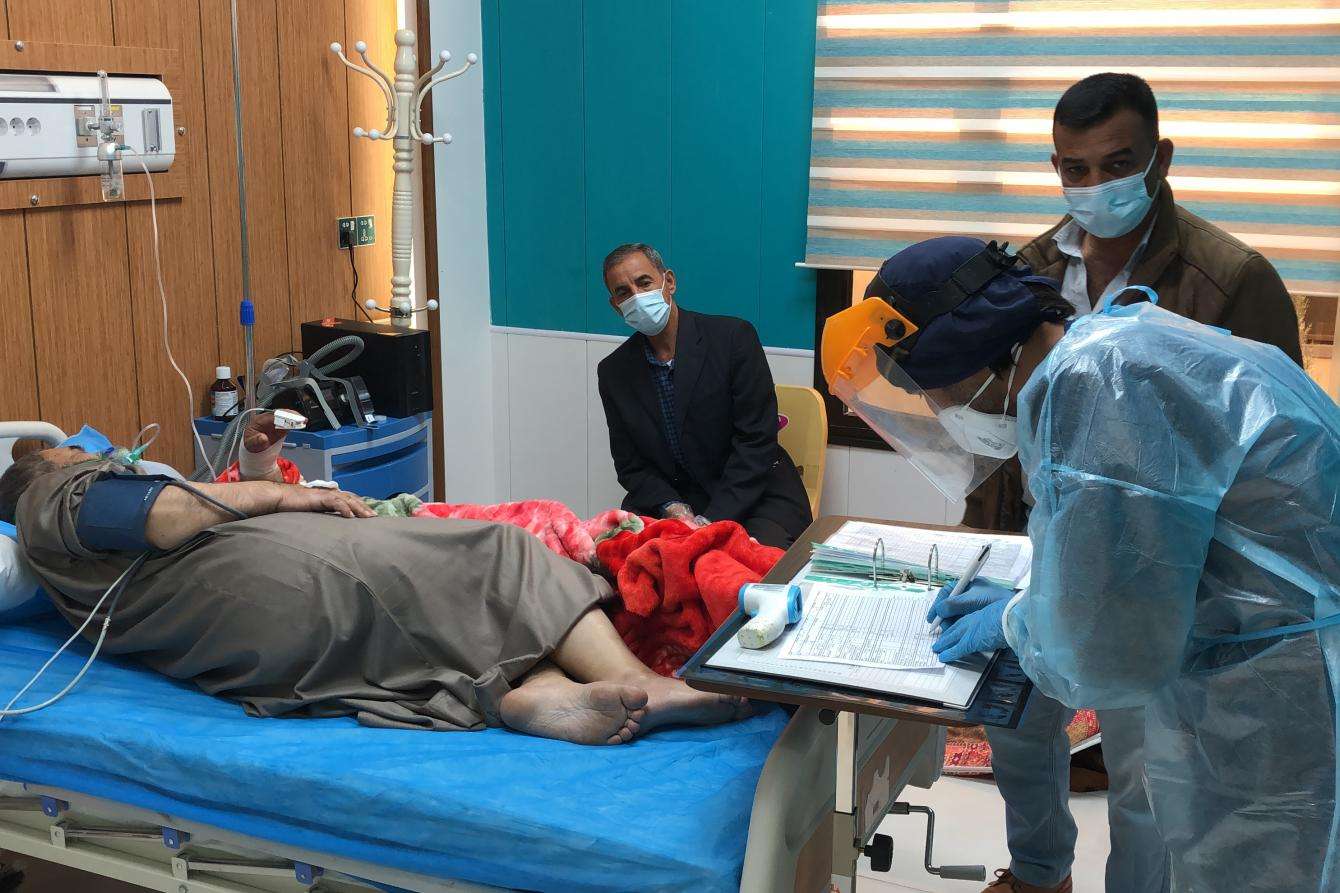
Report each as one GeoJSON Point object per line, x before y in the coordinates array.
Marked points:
{"type": "Point", "coordinates": [884, 628]}
{"type": "Point", "coordinates": [953, 686]}
{"type": "Point", "coordinates": [1010, 562]}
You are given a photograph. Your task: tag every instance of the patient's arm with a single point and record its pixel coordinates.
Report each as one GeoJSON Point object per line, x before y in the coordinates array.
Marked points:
{"type": "Point", "coordinates": [178, 514]}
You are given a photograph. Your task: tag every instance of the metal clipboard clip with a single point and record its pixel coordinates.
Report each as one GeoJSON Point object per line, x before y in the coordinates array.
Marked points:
{"type": "Point", "coordinates": [907, 575]}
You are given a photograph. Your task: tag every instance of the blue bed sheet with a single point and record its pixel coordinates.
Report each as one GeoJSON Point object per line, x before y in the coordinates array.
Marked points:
{"type": "Point", "coordinates": [669, 812]}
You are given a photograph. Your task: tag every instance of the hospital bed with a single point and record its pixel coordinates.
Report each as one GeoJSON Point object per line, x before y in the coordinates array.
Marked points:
{"type": "Point", "coordinates": [148, 780]}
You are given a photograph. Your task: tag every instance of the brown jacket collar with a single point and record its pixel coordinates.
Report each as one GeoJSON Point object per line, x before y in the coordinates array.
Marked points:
{"type": "Point", "coordinates": [1164, 244]}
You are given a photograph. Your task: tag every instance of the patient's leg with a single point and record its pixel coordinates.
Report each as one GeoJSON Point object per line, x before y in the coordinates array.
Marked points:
{"type": "Point", "coordinates": [593, 652]}
{"type": "Point", "coordinates": [550, 705]}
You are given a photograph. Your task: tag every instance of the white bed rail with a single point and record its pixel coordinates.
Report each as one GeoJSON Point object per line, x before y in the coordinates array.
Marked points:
{"type": "Point", "coordinates": [15, 431]}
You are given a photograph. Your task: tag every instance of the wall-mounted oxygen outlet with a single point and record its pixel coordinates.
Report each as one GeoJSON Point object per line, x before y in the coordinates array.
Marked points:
{"type": "Point", "coordinates": [357, 232]}
{"type": "Point", "coordinates": [45, 124]}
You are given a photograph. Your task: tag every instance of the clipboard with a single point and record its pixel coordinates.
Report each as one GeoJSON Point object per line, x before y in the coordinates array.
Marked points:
{"type": "Point", "coordinates": [999, 701]}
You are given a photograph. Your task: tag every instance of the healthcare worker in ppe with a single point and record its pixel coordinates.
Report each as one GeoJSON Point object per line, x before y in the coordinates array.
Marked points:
{"type": "Point", "coordinates": [1186, 533]}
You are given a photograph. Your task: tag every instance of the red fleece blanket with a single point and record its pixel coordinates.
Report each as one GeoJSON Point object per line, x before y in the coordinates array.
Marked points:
{"type": "Point", "coordinates": [678, 585]}
{"type": "Point", "coordinates": [553, 522]}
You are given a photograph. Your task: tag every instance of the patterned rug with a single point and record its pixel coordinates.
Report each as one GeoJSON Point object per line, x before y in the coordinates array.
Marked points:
{"type": "Point", "coordinates": [968, 753]}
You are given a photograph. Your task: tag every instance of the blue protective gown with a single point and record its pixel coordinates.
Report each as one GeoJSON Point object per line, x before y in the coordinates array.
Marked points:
{"type": "Point", "coordinates": [1187, 488]}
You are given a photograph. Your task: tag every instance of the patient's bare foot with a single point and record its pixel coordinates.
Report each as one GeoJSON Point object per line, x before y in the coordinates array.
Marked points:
{"type": "Point", "coordinates": [672, 702]}
{"type": "Point", "coordinates": [553, 706]}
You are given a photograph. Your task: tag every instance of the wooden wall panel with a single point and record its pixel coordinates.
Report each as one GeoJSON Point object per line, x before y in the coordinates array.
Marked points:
{"type": "Point", "coordinates": [78, 270]}
{"type": "Point", "coordinates": [184, 226]}
{"type": "Point", "coordinates": [82, 318]}
{"type": "Point", "coordinates": [316, 156]}
{"type": "Point", "coordinates": [62, 21]}
{"type": "Point", "coordinates": [266, 216]}
{"type": "Point", "coordinates": [82, 328]}
{"type": "Point", "coordinates": [18, 364]}
{"type": "Point", "coordinates": [371, 174]}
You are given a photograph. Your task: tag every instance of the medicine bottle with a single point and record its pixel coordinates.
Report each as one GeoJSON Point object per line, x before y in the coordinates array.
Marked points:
{"type": "Point", "coordinates": [223, 394]}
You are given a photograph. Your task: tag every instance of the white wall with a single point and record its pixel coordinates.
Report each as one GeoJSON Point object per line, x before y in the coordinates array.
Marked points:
{"type": "Point", "coordinates": [467, 428]}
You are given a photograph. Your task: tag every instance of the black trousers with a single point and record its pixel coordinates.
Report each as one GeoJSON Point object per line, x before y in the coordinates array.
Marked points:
{"type": "Point", "coordinates": [781, 514]}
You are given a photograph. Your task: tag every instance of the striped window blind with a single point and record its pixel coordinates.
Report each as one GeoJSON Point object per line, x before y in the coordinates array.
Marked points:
{"type": "Point", "coordinates": [935, 117]}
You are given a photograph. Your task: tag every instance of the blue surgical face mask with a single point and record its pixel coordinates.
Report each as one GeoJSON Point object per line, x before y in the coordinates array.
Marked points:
{"type": "Point", "coordinates": [90, 440]}
{"type": "Point", "coordinates": [1114, 208]}
{"type": "Point", "coordinates": [648, 312]}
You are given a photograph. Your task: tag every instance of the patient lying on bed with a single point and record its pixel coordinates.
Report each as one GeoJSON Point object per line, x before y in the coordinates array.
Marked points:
{"type": "Point", "coordinates": [312, 607]}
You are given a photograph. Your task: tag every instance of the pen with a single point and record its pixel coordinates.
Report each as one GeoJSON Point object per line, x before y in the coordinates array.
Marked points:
{"type": "Point", "coordinates": [969, 575]}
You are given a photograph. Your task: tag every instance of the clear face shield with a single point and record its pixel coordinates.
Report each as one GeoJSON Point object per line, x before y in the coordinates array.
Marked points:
{"type": "Point", "coordinates": [953, 445]}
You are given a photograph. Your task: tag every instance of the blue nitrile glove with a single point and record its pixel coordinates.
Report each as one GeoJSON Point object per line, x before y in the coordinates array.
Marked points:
{"type": "Point", "coordinates": [979, 594]}
{"type": "Point", "coordinates": [982, 630]}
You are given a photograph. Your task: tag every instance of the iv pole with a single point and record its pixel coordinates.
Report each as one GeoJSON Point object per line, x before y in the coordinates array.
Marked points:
{"type": "Point", "coordinates": [246, 310]}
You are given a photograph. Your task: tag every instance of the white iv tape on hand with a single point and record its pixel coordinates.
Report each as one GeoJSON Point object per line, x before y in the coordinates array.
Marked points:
{"type": "Point", "coordinates": [254, 466]}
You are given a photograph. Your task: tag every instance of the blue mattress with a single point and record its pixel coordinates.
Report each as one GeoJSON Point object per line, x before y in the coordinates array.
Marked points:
{"type": "Point", "coordinates": [669, 812]}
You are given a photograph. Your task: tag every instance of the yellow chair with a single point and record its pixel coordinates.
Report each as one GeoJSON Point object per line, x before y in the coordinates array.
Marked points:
{"type": "Point", "coordinates": [803, 433]}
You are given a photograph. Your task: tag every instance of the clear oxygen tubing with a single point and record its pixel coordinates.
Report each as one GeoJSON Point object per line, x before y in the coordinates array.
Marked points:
{"type": "Point", "coordinates": [145, 439]}
{"type": "Point", "coordinates": [114, 593]}
{"type": "Point", "coordinates": [162, 298]}
{"type": "Point", "coordinates": [247, 310]}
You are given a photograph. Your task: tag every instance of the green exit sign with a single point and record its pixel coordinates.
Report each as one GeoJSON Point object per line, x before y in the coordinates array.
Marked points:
{"type": "Point", "coordinates": [357, 232]}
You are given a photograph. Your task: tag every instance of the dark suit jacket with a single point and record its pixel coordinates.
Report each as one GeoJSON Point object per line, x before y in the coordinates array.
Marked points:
{"type": "Point", "coordinates": [727, 412]}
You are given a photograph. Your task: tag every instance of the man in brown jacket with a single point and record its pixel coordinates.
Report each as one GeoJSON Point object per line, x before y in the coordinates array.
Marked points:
{"type": "Point", "coordinates": [1124, 229]}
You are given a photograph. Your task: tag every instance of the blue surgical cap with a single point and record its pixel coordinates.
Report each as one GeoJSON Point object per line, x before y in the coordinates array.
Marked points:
{"type": "Point", "coordinates": [981, 330]}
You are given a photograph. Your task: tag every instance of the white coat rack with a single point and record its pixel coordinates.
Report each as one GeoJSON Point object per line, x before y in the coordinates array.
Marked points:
{"type": "Point", "coordinates": [404, 97]}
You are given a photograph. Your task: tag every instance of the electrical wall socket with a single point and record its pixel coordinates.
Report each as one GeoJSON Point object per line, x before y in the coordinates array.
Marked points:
{"type": "Point", "coordinates": [357, 232]}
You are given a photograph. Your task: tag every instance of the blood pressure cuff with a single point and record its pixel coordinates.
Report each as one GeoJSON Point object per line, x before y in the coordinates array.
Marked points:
{"type": "Point", "coordinates": [115, 510]}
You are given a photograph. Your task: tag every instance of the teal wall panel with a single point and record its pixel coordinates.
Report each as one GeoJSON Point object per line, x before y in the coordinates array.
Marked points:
{"type": "Point", "coordinates": [683, 123]}
{"type": "Point", "coordinates": [627, 139]}
{"type": "Point", "coordinates": [544, 201]}
{"type": "Point", "coordinates": [491, 59]}
{"type": "Point", "coordinates": [717, 154]}
{"type": "Point", "coordinates": [786, 314]}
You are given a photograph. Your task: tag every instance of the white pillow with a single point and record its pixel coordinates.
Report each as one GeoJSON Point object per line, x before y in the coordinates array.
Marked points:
{"type": "Point", "coordinates": [18, 586]}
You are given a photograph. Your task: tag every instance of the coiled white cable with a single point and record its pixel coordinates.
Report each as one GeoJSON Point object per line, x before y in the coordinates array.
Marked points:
{"type": "Point", "coordinates": [107, 621]}
{"type": "Point", "coordinates": [113, 592]}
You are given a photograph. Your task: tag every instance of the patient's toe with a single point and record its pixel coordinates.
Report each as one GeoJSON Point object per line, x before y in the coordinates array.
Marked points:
{"type": "Point", "coordinates": [633, 698]}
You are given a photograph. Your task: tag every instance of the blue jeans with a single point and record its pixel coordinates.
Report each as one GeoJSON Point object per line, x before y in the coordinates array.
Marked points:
{"type": "Point", "coordinates": [1032, 769]}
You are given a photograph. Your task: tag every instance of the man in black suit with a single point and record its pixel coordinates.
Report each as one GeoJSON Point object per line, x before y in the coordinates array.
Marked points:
{"type": "Point", "coordinates": [691, 410]}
